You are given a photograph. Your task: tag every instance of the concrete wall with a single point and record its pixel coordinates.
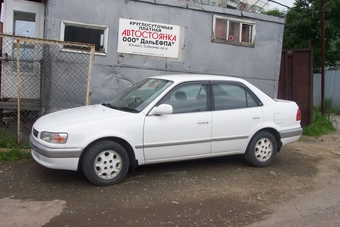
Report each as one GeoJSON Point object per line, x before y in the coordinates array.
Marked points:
{"type": "Point", "coordinates": [198, 54]}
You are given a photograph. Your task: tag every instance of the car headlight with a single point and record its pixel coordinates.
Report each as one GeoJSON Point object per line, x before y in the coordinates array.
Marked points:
{"type": "Point", "coordinates": [54, 137]}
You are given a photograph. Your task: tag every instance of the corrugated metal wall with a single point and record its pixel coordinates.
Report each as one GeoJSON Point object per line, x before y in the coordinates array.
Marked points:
{"type": "Point", "coordinates": [332, 88]}
{"type": "Point", "coordinates": [198, 54]}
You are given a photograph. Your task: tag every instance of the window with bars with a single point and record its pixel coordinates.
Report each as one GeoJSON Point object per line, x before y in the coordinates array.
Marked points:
{"type": "Point", "coordinates": [233, 31]}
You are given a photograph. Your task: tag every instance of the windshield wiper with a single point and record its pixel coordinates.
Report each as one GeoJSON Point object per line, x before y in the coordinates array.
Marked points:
{"type": "Point", "coordinates": [108, 105]}
{"type": "Point", "coordinates": [126, 109]}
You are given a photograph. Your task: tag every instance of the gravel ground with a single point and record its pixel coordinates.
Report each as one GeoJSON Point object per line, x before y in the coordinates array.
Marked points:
{"type": "Point", "coordinates": [300, 188]}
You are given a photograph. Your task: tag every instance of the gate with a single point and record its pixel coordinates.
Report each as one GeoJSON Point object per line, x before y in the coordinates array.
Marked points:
{"type": "Point", "coordinates": [41, 76]}
{"type": "Point", "coordinates": [296, 81]}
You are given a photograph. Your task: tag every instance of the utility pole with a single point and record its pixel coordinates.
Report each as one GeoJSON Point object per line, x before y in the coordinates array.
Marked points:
{"type": "Point", "coordinates": [323, 37]}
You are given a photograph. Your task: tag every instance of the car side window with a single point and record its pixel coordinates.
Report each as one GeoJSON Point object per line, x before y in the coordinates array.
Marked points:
{"type": "Point", "coordinates": [188, 98]}
{"type": "Point", "coordinates": [231, 96]}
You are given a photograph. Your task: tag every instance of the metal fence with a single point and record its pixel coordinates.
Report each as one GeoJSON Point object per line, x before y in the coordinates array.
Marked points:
{"type": "Point", "coordinates": [41, 76]}
{"type": "Point", "coordinates": [332, 85]}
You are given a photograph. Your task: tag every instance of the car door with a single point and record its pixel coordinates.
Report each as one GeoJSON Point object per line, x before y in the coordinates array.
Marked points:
{"type": "Point", "coordinates": [184, 133]}
{"type": "Point", "coordinates": [236, 115]}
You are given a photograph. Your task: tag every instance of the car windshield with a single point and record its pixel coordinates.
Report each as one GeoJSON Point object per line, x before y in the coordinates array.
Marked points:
{"type": "Point", "coordinates": [137, 97]}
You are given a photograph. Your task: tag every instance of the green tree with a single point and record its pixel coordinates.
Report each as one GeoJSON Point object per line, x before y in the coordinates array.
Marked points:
{"type": "Point", "coordinates": [303, 29]}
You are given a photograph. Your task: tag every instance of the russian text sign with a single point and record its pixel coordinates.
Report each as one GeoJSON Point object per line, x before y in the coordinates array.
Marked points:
{"type": "Point", "coordinates": [148, 38]}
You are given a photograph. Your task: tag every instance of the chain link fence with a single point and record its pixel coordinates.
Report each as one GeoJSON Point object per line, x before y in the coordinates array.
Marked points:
{"type": "Point", "coordinates": [39, 77]}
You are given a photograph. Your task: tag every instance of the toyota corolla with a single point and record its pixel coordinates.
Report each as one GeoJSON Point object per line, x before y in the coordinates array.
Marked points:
{"type": "Point", "coordinates": [166, 118]}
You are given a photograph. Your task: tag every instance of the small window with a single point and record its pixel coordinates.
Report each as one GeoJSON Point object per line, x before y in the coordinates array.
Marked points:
{"type": "Point", "coordinates": [85, 33]}
{"type": "Point", "coordinates": [231, 96]}
{"type": "Point", "coordinates": [24, 24]}
{"type": "Point", "coordinates": [233, 31]}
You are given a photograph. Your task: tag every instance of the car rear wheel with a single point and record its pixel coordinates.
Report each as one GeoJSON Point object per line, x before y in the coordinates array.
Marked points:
{"type": "Point", "coordinates": [105, 163]}
{"type": "Point", "coordinates": [261, 150]}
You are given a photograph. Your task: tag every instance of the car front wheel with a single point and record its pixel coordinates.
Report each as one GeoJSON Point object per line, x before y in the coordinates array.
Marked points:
{"type": "Point", "coordinates": [105, 163]}
{"type": "Point", "coordinates": [261, 149]}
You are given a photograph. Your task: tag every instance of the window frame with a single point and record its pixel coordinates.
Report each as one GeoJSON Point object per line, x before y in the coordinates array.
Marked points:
{"type": "Point", "coordinates": [241, 22]}
{"type": "Point", "coordinates": [105, 29]}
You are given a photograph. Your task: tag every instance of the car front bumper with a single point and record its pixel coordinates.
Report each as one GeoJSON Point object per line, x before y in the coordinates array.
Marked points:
{"type": "Point", "coordinates": [55, 158]}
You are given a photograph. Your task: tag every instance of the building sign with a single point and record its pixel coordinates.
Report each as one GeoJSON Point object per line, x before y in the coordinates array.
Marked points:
{"type": "Point", "coordinates": [148, 38]}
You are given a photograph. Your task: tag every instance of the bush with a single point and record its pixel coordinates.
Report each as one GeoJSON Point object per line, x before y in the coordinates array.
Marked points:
{"type": "Point", "coordinates": [321, 124]}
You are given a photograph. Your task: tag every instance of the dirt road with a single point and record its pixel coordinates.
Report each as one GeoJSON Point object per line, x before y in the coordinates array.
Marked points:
{"type": "Point", "coordinates": [300, 188]}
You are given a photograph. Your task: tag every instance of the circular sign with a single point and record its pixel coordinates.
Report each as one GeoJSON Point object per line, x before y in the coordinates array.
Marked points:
{"type": "Point", "coordinates": [231, 38]}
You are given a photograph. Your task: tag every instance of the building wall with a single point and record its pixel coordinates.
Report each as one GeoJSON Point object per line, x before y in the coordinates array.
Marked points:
{"type": "Point", "coordinates": [198, 54]}
{"type": "Point", "coordinates": [247, 5]}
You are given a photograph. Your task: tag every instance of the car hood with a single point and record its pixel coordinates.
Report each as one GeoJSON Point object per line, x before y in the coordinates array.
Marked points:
{"type": "Point", "coordinates": [71, 117]}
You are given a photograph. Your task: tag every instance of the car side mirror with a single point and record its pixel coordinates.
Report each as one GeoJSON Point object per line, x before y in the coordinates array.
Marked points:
{"type": "Point", "coordinates": [162, 109]}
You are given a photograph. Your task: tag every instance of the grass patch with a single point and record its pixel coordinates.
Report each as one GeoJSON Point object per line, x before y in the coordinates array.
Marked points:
{"type": "Point", "coordinates": [13, 155]}
{"type": "Point", "coordinates": [321, 124]}
{"type": "Point", "coordinates": [329, 109]}
{"type": "Point", "coordinates": [11, 149]}
{"type": "Point", "coordinates": [335, 110]}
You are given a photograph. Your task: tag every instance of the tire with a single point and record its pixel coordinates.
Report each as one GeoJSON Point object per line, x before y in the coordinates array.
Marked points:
{"type": "Point", "coordinates": [261, 150]}
{"type": "Point", "coordinates": [105, 163]}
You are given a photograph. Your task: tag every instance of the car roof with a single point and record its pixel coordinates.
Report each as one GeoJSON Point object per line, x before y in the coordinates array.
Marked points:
{"type": "Point", "coordinates": [178, 78]}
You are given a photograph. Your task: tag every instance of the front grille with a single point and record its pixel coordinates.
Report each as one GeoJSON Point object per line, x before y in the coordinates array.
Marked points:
{"type": "Point", "coordinates": [35, 133]}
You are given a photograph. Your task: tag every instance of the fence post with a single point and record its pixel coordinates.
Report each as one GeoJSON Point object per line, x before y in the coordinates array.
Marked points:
{"type": "Point", "coordinates": [18, 88]}
{"type": "Point", "coordinates": [89, 78]}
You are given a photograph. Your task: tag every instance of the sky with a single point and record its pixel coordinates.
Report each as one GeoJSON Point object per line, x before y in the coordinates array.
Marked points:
{"type": "Point", "coordinates": [289, 3]}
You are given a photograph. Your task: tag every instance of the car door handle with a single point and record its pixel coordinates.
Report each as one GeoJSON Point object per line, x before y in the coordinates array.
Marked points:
{"type": "Point", "coordinates": [256, 117]}
{"type": "Point", "coordinates": [203, 122]}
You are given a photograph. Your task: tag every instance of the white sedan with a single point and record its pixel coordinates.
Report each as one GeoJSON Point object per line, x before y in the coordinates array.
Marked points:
{"type": "Point", "coordinates": [166, 118]}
